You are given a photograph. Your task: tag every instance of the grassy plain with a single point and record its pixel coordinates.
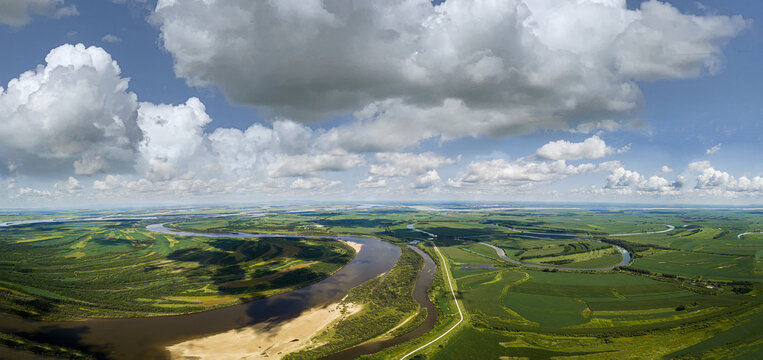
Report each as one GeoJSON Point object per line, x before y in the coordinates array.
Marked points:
{"type": "Point", "coordinates": [118, 268]}
{"type": "Point", "coordinates": [690, 292]}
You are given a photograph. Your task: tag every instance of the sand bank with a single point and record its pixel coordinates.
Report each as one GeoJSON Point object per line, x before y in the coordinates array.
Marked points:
{"type": "Point", "coordinates": [265, 340]}
{"type": "Point", "coordinates": [356, 246]}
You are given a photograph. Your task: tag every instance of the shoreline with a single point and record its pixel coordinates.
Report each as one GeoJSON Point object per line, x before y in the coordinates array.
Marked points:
{"type": "Point", "coordinates": [265, 340]}
{"type": "Point", "coordinates": [268, 339]}
{"type": "Point", "coordinates": [354, 245]}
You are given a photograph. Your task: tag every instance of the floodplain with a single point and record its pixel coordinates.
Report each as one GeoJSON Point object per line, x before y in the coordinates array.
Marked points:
{"type": "Point", "coordinates": [556, 288]}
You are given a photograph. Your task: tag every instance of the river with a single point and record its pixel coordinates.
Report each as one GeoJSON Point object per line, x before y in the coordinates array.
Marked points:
{"type": "Point", "coordinates": [147, 337]}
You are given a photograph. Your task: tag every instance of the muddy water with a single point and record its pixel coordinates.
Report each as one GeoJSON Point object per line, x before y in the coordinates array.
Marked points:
{"type": "Point", "coordinates": [146, 338]}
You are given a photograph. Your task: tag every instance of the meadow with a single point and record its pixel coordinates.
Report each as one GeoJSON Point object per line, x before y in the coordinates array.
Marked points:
{"type": "Point", "coordinates": [72, 270]}
{"type": "Point", "coordinates": [692, 289]}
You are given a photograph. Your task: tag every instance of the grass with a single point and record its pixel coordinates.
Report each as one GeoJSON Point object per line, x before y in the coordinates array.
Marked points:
{"type": "Point", "coordinates": [676, 301]}
{"type": "Point", "coordinates": [116, 261]}
{"type": "Point", "coordinates": [706, 265]}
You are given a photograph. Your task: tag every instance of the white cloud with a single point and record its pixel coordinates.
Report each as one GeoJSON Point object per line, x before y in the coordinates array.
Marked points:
{"type": "Point", "coordinates": [149, 189]}
{"type": "Point", "coordinates": [71, 186]}
{"type": "Point", "coordinates": [418, 71]}
{"type": "Point", "coordinates": [18, 13]}
{"type": "Point", "coordinates": [713, 149]}
{"type": "Point", "coordinates": [30, 193]}
{"type": "Point", "coordinates": [609, 165]}
{"type": "Point", "coordinates": [624, 181]}
{"type": "Point", "coordinates": [309, 165]}
{"type": "Point", "coordinates": [73, 110]}
{"type": "Point", "coordinates": [173, 138]}
{"type": "Point", "coordinates": [427, 180]}
{"type": "Point", "coordinates": [711, 181]}
{"type": "Point", "coordinates": [699, 165]}
{"type": "Point", "coordinates": [500, 172]}
{"type": "Point", "coordinates": [591, 148]}
{"type": "Point", "coordinates": [111, 38]}
{"type": "Point", "coordinates": [313, 184]}
{"type": "Point", "coordinates": [588, 127]}
{"type": "Point", "coordinates": [666, 169]}
{"type": "Point", "coordinates": [371, 182]}
{"type": "Point", "coordinates": [407, 164]}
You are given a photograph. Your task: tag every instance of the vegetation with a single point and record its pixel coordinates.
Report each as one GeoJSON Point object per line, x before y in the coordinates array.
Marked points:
{"type": "Point", "coordinates": [120, 269]}
{"type": "Point", "coordinates": [690, 292]}
{"type": "Point", "coordinates": [18, 343]}
{"type": "Point", "coordinates": [387, 301]}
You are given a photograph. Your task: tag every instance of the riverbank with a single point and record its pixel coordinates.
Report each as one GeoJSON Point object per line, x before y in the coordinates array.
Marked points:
{"type": "Point", "coordinates": [265, 340]}
{"type": "Point", "coordinates": [354, 245]}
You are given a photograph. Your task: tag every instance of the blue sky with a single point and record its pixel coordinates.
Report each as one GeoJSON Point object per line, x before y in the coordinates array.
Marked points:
{"type": "Point", "coordinates": [304, 101]}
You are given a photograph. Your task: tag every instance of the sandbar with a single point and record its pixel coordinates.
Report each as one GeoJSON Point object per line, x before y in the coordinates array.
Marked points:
{"type": "Point", "coordinates": [265, 340]}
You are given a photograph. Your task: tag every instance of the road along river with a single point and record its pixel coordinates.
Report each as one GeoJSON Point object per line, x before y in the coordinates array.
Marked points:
{"type": "Point", "coordinates": [147, 337]}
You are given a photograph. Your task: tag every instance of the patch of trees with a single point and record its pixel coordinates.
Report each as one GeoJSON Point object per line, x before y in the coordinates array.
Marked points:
{"type": "Point", "coordinates": [721, 234]}
{"type": "Point", "coordinates": [696, 285]}
{"type": "Point", "coordinates": [633, 248]}
{"type": "Point", "coordinates": [569, 249]}
{"type": "Point", "coordinates": [557, 262]}
{"type": "Point", "coordinates": [23, 344]}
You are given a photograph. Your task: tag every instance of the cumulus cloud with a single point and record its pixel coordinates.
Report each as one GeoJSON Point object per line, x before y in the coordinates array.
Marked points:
{"type": "Point", "coordinates": [419, 70]}
{"type": "Point", "coordinates": [717, 182]}
{"type": "Point", "coordinates": [591, 148]}
{"type": "Point", "coordinates": [427, 180]}
{"type": "Point", "coordinates": [18, 13]}
{"type": "Point", "coordinates": [71, 186]}
{"type": "Point", "coordinates": [609, 165]}
{"type": "Point", "coordinates": [31, 193]}
{"type": "Point", "coordinates": [287, 149]}
{"type": "Point", "coordinates": [246, 152]}
{"type": "Point", "coordinates": [500, 173]}
{"type": "Point", "coordinates": [624, 181]}
{"type": "Point", "coordinates": [173, 138]}
{"type": "Point", "coordinates": [666, 169]}
{"type": "Point", "coordinates": [73, 110]}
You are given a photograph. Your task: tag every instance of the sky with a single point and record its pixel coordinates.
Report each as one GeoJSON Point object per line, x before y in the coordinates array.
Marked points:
{"type": "Point", "coordinates": [212, 101]}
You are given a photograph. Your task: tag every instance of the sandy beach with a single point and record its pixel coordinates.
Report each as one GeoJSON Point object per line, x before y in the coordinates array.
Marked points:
{"type": "Point", "coordinates": [356, 246]}
{"type": "Point", "coordinates": [264, 340]}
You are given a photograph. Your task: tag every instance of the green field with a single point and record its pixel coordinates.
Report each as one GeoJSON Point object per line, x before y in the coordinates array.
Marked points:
{"type": "Point", "coordinates": [690, 292]}
{"type": "Point", "coordinates": [118, 268]}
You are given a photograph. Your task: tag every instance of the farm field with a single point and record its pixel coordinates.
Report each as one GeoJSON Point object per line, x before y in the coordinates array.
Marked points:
{"type": "Point", "coordinates": [691, 290]}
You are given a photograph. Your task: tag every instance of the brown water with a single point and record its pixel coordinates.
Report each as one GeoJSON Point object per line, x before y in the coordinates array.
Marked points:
{"type": "Point", "coordinates": [146, 338]}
